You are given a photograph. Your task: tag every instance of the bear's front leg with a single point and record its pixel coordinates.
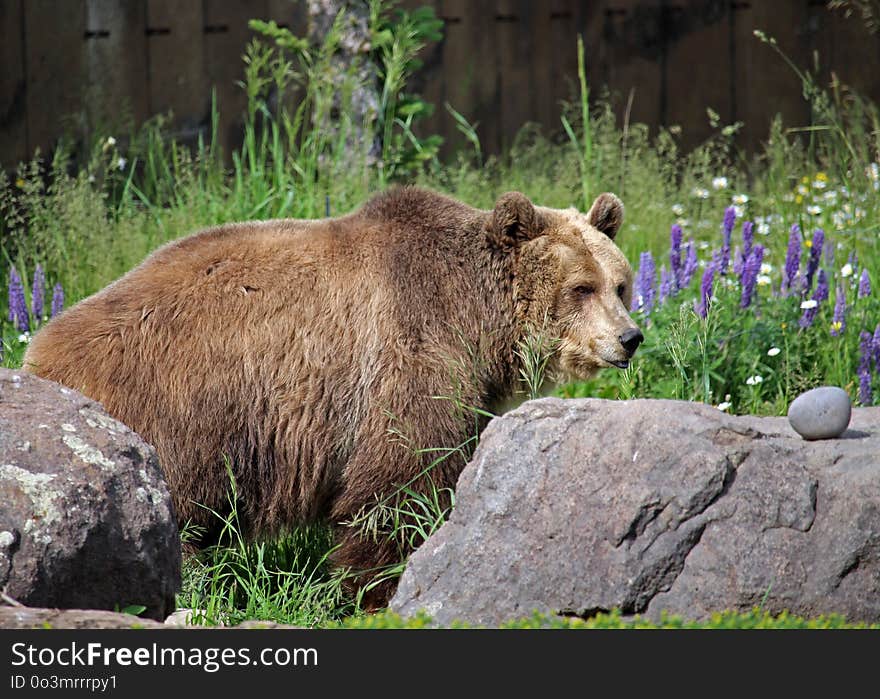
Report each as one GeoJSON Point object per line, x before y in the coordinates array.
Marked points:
{"type": "Point", "coordinates": [404, 456]}
{"type": "Point", "coordinates": [369, 562]}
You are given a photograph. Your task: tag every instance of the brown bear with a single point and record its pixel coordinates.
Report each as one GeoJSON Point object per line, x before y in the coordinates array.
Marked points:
{"type": "Point", "coordinates": [313, 356]}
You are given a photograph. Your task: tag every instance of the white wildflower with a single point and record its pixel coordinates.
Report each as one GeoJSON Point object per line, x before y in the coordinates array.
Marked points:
{"type": "Point", "coordinates": [809, 303]}
{"type": "Point", "coordinates": [719, 183]}
{"type": "Point", "coordinates": [121, 163]}
{"type": "Point", "coordinates": [678, 209]}
{"type": "Point", "coordinates": [740, 199]}
{"type": "Point", "coordinates": [814, 210]}
{"type": "Point", "coordinates": [725, 406]}
{"type": "Point", "coordinates": [846, 270]}
{"type": "Point", "coordinates": [773, 351]}
{"type": "Point", "coordinates": [701, 193]}
{"type": "Point", "coordinates": [763, 280]}
{"type": "Point", "coordinates": [754, 380]}
{"type": "Point", "coordinates": [766, 268]}
{"type": "Point", "coordinates": [763, 228]}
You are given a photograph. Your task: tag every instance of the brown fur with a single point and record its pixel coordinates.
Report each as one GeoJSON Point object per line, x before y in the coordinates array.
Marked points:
{"type": "Point", "coordinates": [312, 353]}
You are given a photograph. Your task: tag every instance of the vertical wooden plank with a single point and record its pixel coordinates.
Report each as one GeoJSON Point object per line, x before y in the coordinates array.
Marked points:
{"type": "Point", "coordinates": [846, 48]}
{"type": "Point", "coordinates": [635, 45]}
{"type": "Point", "coordinates": [458, 71]}
{"type": "Point", "coordinates": [428, 80]}
{"type": "Point", "coordinates": [515, 47]}
{"type": "Point", "coordinates": [55, 69]}
{"type": "Point", "coordinates": [588, 18]}
{"type": "Point", "coordinates": [116, 59]}
{"type": "Point", "coordinates": [176, 65]}
{"type": "Point", "coordinates": [226, 35]}
{"type": "Point", "coordinates": [543, 51]}
{"type": "Point", "coordinates": [763, 84]}
{"type": "Point", "coordinates": [471, 82]}
{"type": "Point", "coordinates": [13, 117]}
{"type": "Point", "coordinates": [486, 87]}
{"type": "Point", "coordinates": [698, 67]}
{"type": "Point", "coordinates": [556, 27]}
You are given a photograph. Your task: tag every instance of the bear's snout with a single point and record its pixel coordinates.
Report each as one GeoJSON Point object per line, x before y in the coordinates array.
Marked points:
{"type": "Point", "coordinates": [631, 339]}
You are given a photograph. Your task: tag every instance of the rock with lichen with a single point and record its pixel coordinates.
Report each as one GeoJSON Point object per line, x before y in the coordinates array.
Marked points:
{"type": "Point", "coordinates": [86, 519]}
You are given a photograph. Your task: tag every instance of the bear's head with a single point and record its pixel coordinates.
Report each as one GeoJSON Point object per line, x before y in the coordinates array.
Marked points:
{"type": "Point", "coordinates": [572, 283]}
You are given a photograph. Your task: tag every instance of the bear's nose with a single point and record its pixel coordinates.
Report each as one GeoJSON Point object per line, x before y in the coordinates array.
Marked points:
{"type": "Point", "coordinates": [631, 339]}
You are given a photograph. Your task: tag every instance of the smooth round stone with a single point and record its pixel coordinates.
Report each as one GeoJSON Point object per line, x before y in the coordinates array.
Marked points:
{"type": "Point", "coordinates": [821, 413]}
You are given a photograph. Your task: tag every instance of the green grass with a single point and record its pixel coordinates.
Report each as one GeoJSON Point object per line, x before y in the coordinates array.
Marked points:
{"type": "Point", "coordinates": [755, 619]}
{"type": "Point", "coordinates": [89, 217]}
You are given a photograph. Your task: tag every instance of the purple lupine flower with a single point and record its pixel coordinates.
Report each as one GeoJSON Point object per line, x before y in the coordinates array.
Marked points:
{"type": "Point", "coordinates": [749, 277]}
{"type": "Point", "coordinates": [864, 284]}
{"type": "Point", "coordinates": [18, 311]}
{"type": "Point", "coordinates": [675, 236]}
{"type": "Point", "coordinates": [866, 343]}
{"type": "Point", "coordinates": [819, 295]}
{"type": "Point", "coordinates": [875, 344]}
{"type": "Point", "coordinates": [57, 299]}
{"type": "Point", "coordinates": [748, 234]}
{"type": "Point", "coordinates": [38, 292]}
{"type": "Point", "coordinates": [14, 284]}
{"type": "Point", "coordinates": [701, 305]}
{"type": "Point", "coordinates": [792, 259]}
{"type": "Point", "coordinates": [727, 229]}
{"type": "Point", "coordinates": [815, 257]}
{"type": "Point", "coordinates": [838, 321]}
{"type": "Point", "coordinates": [748, 237]}
{"type": "Point", "coordinates": [690, 264]}
{"type": "Point", "coordinates": [667, 285]}
{"type": "Point", "coordinates": [643, 298]}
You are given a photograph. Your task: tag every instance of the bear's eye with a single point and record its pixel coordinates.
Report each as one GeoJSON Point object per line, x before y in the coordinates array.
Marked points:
{"type": "Point", "coordinates": [620, 290]}
{"type": "Point", "coordinates": [584, 290]}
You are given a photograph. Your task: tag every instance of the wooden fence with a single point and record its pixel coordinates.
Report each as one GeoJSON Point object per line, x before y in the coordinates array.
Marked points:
{"type": "Point", "coordinates": [501, 62]}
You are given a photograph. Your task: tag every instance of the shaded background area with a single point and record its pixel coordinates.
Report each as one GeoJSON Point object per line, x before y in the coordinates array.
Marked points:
{"type": "Point", "coordinates": [501, 63]}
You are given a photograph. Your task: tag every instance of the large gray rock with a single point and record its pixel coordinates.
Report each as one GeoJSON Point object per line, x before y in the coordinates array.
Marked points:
{"type": "Point", "coordinates": [577, 506]}
{"type": "Point", "coordinates": [86, 519]}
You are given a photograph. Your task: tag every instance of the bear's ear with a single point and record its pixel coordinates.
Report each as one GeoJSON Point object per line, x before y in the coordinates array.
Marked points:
{"type": "Point", "coordinates": [514, 220]}
{"type": "Point", "coordinates": [606, 214]}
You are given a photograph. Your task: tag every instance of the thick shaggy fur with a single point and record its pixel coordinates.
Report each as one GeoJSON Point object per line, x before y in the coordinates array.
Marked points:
{"type": "Point", "coordinates": [312, 353]}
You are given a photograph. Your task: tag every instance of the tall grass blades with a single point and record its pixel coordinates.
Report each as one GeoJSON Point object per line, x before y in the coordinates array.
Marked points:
{"type": "Point", "coordinates": [287, 580]}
